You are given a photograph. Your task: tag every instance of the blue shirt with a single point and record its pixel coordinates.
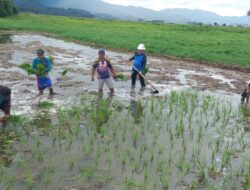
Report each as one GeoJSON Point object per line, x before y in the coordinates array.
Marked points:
{"type": "Point", "coordinates": [140, 61]}
{"type": "Point", "coordinates": [45, 61]}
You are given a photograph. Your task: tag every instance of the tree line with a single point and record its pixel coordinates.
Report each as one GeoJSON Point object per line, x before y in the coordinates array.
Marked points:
{"type": "Point", "coordinates": [7, 8]}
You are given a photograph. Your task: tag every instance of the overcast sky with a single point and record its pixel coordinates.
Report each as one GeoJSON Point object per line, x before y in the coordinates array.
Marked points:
{"type": "Point", "coordinates": [222, 7]}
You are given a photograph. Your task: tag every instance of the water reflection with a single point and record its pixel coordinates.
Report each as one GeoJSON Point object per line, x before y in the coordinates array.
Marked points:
{"type": "Point", "coordinates": [102, 111]}
{"type": "Point", "coordinates": [136, 104]}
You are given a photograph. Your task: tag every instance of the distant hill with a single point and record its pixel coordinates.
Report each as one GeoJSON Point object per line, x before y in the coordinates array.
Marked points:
{"type": "Point", "coordinates": [43, 7]}
{"type": "Point", "coordinates": [57, 11]}
{"type": "Point", "coordinates": [107, 10]}
{"type": "Point", "coordinates": [28, 3]}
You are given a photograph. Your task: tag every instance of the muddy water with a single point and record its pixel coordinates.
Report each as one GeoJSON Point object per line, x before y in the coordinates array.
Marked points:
{"type": "Point", "coordinates": [166, 74]}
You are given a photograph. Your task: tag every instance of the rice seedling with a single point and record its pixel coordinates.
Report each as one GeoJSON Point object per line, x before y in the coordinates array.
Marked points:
{"type": "Point", "coordinates": [130, 183]}
{"type": "Point", "coordinates": [47, 175]}
{"type": "Point", "coordinates": [29, 179]}
{"type": "Point", "coordinates": [72, 163]}
{"type": "Point", "coordinates": [142, 150]}
{"type": "Point", "coordinates": [9, 181]}
{"type": "Point", "coordinates": [151, 154]}
{"type": "Point", "coordinates": [45, 104]}
{"type": "Point", "coordinates": [200, 135]}
{"type": "Point", "coordinates": [87, 173]}
{"type": "Point", "coordinates": [165, 182]}
{"type": "Point", "coordinates": [27, 67]}
{"type": "Point", "coordinates": [201, 171]}
{"type": "Point", "coordinates": [225, 160]}
{"type": "Point", "coordinates": [135, 136]}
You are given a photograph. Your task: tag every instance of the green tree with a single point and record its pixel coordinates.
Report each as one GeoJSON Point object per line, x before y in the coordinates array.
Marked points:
{"type": "Point", "coordinates": [7, 8]}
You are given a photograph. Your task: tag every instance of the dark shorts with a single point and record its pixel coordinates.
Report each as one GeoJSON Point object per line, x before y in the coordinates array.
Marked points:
{"type": "Point", "coordinates": [5, 106]}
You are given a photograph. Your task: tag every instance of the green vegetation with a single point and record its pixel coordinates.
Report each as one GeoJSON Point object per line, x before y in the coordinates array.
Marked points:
{"type": "Point", "coordinates": [45, 104]}
{"type": "Point", "coordinates": [184, 140]}
{"type": "Point", "coordinates": [121, 77]}
{"type": "Point", "coordinates": [7, 8]}
{"type": "Point", "coordinates": [27, 67]}
{"type": "Point", "coordinates": [228, 45]}
{"type": "Point", "coordinates": [40, 69]}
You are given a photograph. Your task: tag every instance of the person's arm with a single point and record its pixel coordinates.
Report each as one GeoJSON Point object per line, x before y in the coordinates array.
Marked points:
{"type": "Point", "coordinates": [132, 58]}
{"type": "Point", "coordinates": [33, 65]}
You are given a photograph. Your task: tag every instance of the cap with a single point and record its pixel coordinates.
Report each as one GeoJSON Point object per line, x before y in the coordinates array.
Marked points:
{"type": "Point", "coordinates": [40, 52]}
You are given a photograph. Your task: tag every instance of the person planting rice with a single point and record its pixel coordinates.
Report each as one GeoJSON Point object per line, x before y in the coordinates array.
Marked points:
{"type": "Point", "coordinates": [5, 102]}
{"type": "Point", "coordinates": [245, 94]}
{"type": "Point", "coordinates": [42, 66]}
{"type": "Point", "coordinates": [140, 60]}
{"type": "Point", "coordinates": [103, 67]}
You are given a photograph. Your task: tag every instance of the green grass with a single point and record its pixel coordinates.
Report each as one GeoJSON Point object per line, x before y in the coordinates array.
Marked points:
{"type": "Point", "coordinates": [45, 105]}
{"type": "Point", "coordinates": [228, 45]}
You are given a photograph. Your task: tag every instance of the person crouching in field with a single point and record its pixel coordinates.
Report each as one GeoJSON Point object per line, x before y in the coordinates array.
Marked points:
{"type": "Point", "coordinates": [42, 66]}
{"type": "Point", "coordinates": [140, 60]}
{"type": "Point", "coordinates": [103, 68]}
{"type": "Point", "coordinates": [5, 102]}
{"type": "Point", "coordinates": [245, 94]}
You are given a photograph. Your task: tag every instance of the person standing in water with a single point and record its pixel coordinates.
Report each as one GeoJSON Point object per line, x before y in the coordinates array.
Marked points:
{"type": "Point", "coordinates": [42, 66]}
{"type": "Point", "coordinates": [140, 60]}
{"type": "Point", "coordinates": [103, 67]}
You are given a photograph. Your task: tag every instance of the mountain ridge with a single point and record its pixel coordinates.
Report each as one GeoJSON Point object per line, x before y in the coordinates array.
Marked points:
{"type": "Point", "coordinates": [174, 15]}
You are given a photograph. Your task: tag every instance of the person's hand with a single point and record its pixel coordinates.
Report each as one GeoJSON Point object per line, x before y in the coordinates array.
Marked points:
{"type": "Point", "coordinates": [92, 79]}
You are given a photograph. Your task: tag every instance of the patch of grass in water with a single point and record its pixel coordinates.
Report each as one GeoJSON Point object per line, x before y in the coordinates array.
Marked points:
{"type": "Point", "coordinates": [15, 119]}
{"type": "Point", "coordinates": [45, 104]}
{"type": "Point", "coordinates": [245, 110]}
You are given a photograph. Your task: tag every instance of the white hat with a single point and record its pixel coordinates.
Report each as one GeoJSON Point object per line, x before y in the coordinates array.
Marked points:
{"type": "Point", "coordinates": [141, 47]}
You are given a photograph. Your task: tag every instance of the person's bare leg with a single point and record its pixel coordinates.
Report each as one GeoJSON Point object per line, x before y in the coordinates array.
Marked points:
{"type": "Point", "coordinates": [40, 92]}
{"type": "Point", "coordinates": [51, 91]}
{"type": "Point", "coordinates": [112, 91]}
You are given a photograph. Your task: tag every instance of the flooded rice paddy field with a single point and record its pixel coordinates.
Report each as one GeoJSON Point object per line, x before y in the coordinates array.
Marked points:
{"type": "Point", "coordinates": [192, 135]}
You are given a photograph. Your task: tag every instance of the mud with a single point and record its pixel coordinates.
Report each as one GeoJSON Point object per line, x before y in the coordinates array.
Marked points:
{"type": "Point", "coordinates": [166, 74]}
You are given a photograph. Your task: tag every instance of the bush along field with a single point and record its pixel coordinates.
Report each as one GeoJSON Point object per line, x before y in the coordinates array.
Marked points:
{"type": "Point", "coordinates": [184, 140]}
{"type": "Point", "coordinates": [227, 45]}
